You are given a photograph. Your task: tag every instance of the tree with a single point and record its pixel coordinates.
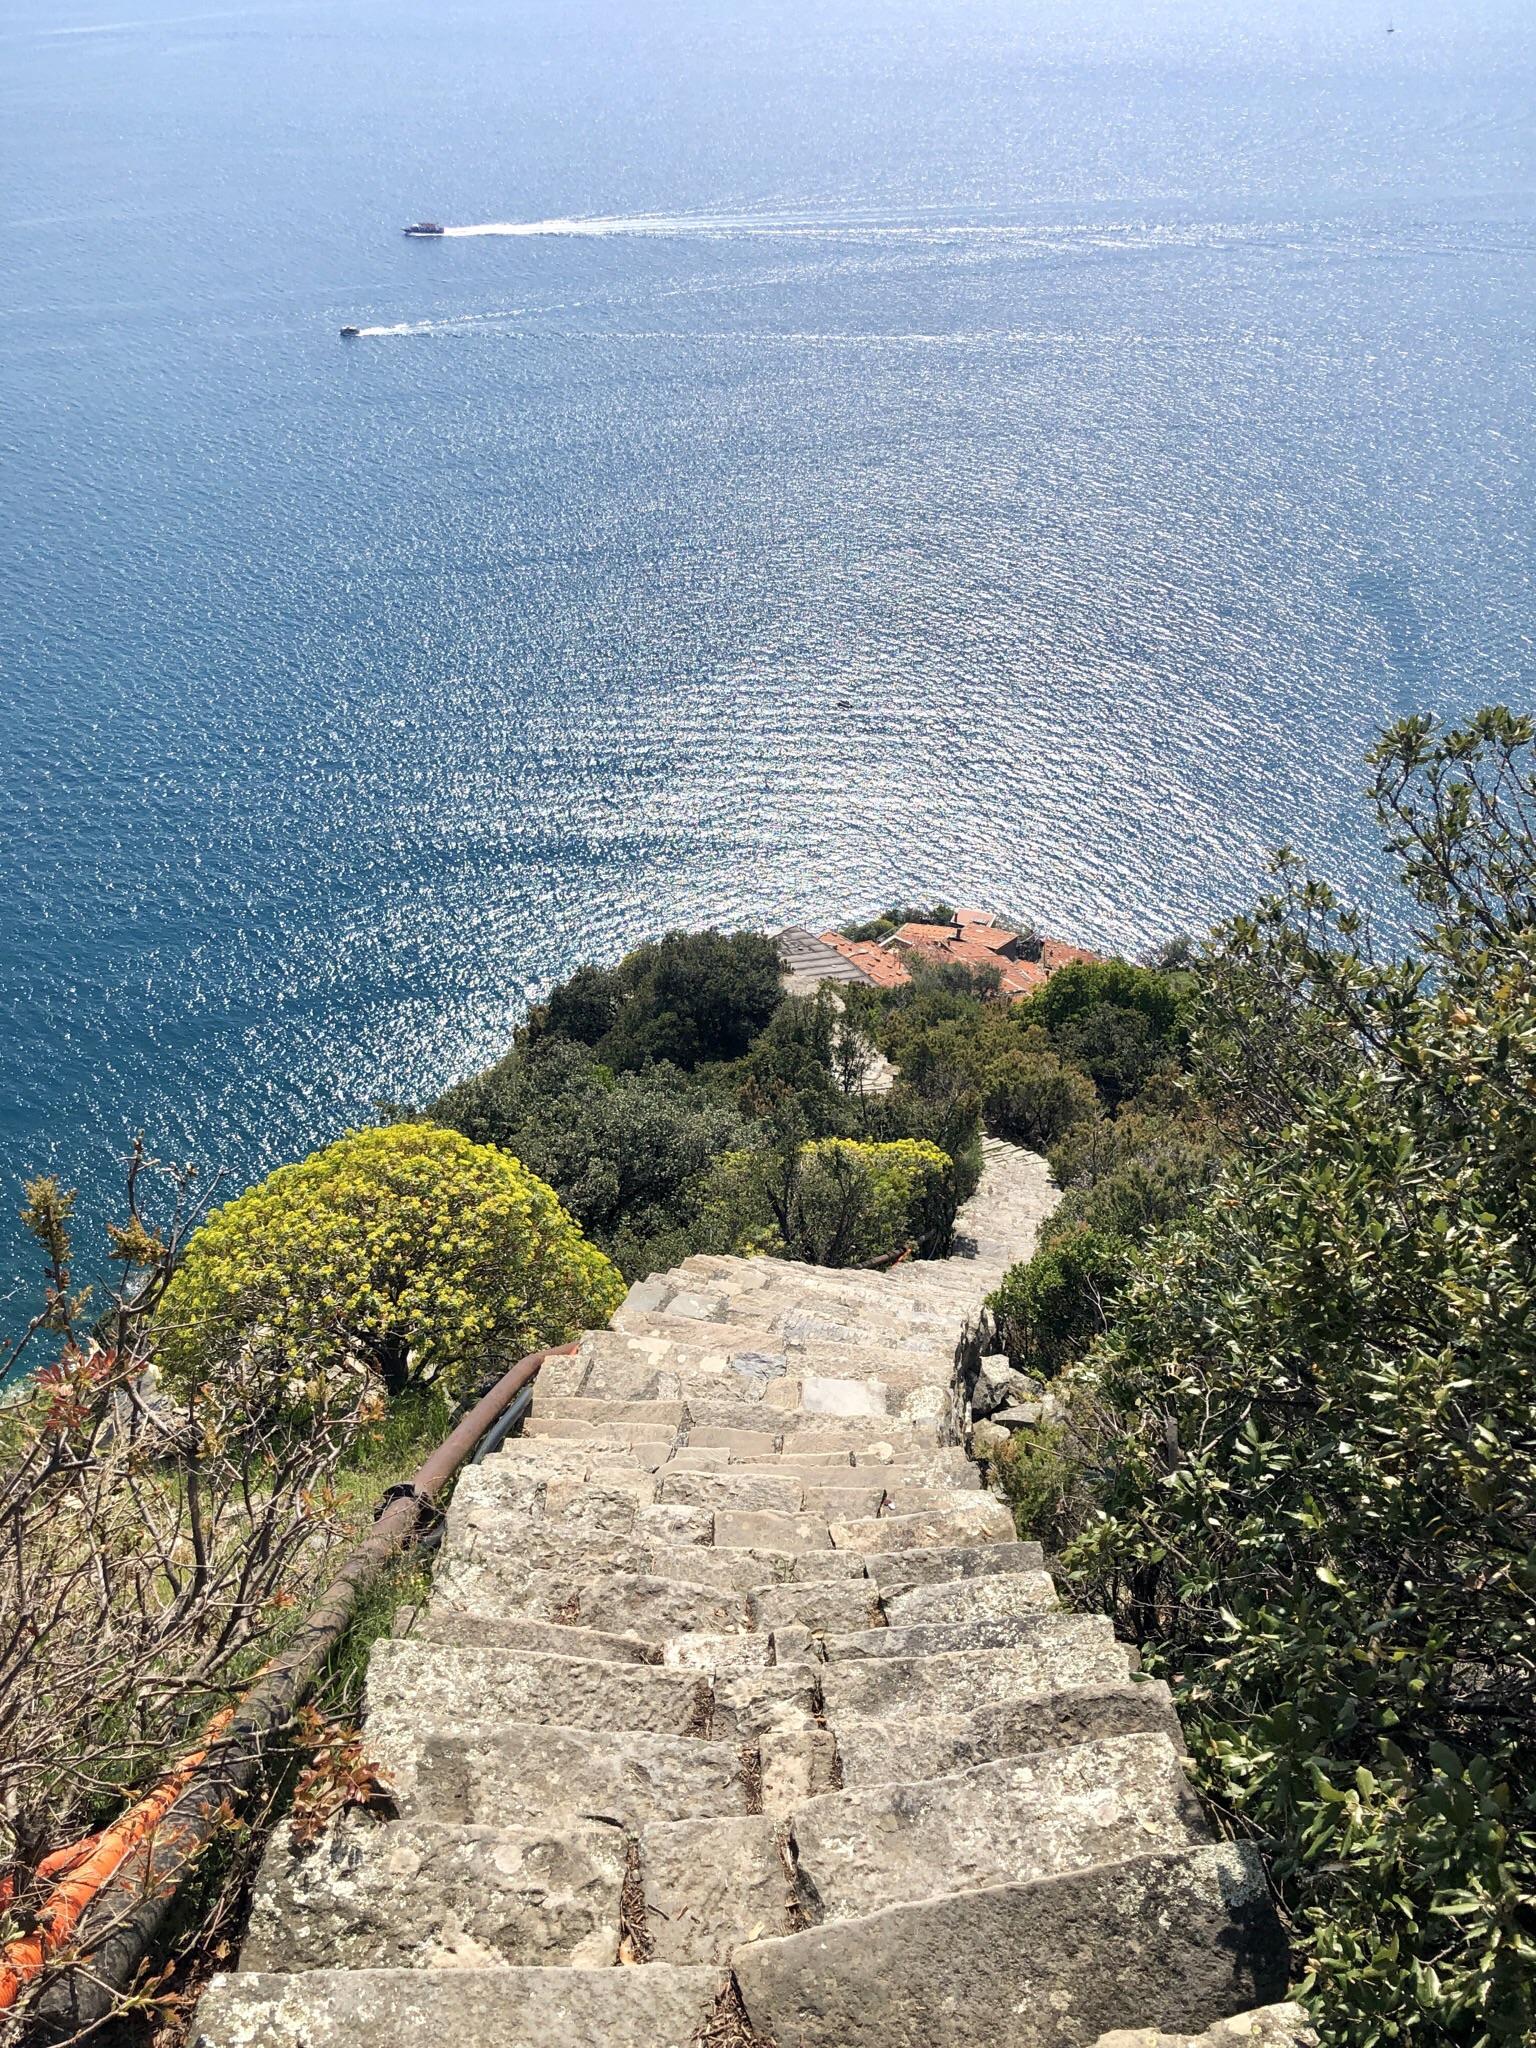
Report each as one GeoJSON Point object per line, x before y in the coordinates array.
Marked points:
{"type": "Point", "coordinates": [1033, 1098]}
{"type": "Point", "coordinates": [687, 999]}
{"type": "Point", "coordinates": [1314, 1419]}
{"type": "Point", "coordinates": [832, 1201]}
{"type": "Point", "coordinates": [1085, 985]}
{"type": "Point", "coordinates": [1050, 1309]}
{"type": "Point", "coordinates": [405, 1255]}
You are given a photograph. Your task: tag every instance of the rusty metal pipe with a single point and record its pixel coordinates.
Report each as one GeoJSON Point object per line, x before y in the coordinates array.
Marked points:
{"type": "Point", "coordinates": [119, 1928]}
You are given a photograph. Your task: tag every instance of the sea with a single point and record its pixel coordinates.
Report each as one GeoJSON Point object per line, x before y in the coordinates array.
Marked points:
{"type": "Point", "coordinates": [840, 451]}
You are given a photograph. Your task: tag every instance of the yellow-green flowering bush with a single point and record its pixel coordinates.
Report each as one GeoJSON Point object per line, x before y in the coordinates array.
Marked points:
{"type": "Point", "coordinates": [406, 1254]}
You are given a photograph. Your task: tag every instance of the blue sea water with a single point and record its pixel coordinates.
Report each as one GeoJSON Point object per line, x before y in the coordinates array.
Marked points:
{"type": "Point", "coordinates": [1016, 448]}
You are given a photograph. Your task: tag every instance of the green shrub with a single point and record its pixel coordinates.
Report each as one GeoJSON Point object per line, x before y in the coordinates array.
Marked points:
{"type": "Point", "coordinates": [1049, 1310]}
{"type": "Point", "coordinates": [407, 1255]}
{"type": "Point", "coordinates": [832, 1201]}
{"type": "Point", "coordinates": [686, 999]}
{"type": "Point", "coordinates": [1317, 1466]}
{"type": "Point", "coordinates": [1116, 1047]}
{"type": "Point", "coordinates": [1032, 1098]}
{"type": "Point", "coordinates": [627, 1154]}
{"type": "Point", "coordinates": [1088, 985]}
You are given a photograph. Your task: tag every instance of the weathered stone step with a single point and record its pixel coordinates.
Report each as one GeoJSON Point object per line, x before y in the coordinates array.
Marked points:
{"type": "Point", "coordinates": [746, 1569]}
{"type": "Point", "coordinates": [1022, 1818]}
{"type": "Point", "coordinates": [445, 1623]}
{"type": "Point", "coordinates": [1167, 1940]}
{"type": "Point", "coordinates": [842, 1605]}
{"type": "Point", "coordinates": [628, 1604]}
{"type": "Point", "coordinates": [426, 1895]}
{"type": "Point", "coordinates": [1041, 1625]}
{"type": "Point", "coordinates": [490, 1772]}
{"type": "Point", "coordinates": [710, 1885]}
{"type": "Point", "coordinates": [898, 1571]}
{"type": "Point", "coordinates": [501, 2008]}
{"type": "Point", "coordinates": [785, 1495]}
{"type": "Point", "coordinates": [955, 1681]}
{"type": "Point", "coordinates": [415, 1684]}
{"type": "Point", "coordinates": [949, 1602]}
{"type": "Point", "coordinates": [620, 1365]}
{"type": "Point", "coordinates": [971, 1519]}
{"type": "Point", "coordinates": [1270, 2026]}
{"type": "Point", "coordinates": [882, 1750]}
{"type": "Point", "coordinates": [786, 1332]}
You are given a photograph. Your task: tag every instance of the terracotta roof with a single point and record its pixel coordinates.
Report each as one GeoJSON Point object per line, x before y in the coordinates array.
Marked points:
{"type": "Point", "coordinates": [975, 917]}
{"type": "Point", "coordinates": [1056, 953]}
{"type": "Point", "coordinates": [922, 935]}
{"type": "Point", "coordinates": [882, 968]}
{"type": "Point", "coordinates": [1019, 977]}
{"type": "Point", "coordinates": [992, 936]}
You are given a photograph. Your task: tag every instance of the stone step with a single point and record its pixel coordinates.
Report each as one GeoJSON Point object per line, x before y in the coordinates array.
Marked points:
{"type": "Point", "coordinates": [1165, 1939]}
{"type": "Point", "coordinates": [746, 1569]}
{"type": "Point", "coordinates": [442, 1623]}
{"type": "Point", "coordinates": [840, 1605]}
{"type": "Point", "coordinates": [1013, 1821]}
{"type": "Point", "coordinates": [1041, 1625]}
{"type": "Point", "coordinates": [485, 1773]}
{"type": "Point", "coordinates": [626, 1604]}
{"type": "Point", "coordinates": [710, 1885]}
{"type": "Point", "coordinates": [898, 1571]}
{"type": "Point", "coordinates": [786, 1331]}
{"type": "Point", "coordinates": [785, 1494]}
{"type": "Point", "coordinates": [949, 1602]}
{"type": "Point", "coordinates": [951, 1682]}
{"type": "Point", "coordinates": [970, 1520]}
{"type": "Point", "coordinates": [1269, 2026]}
{"type": "Point", "coordinates": [427, 1895]}
{"type": "Point", "coordinates": [417, 1684]}
{"type": "Point", "coordinates": [597, 1523]}
{"type": "Point", "coordinates": [622, 1366]}
{"type": "Point", "coordinates": [489, 2008]}
{"type": "Point", "coordinates": [883, 1751]}
{"type": "Point", "coordinates": [762, 1292]}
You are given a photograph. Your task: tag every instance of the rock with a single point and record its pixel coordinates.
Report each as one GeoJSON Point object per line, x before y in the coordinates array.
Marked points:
{"type": "Point", "coordinates": [1272, 2026]}
{"type": "Point", "coordinates": [656, 2007]}
{"type": "Point", "coordinates": [998, 1382]}
{"type": "Point", "coordinates": [425, 1895]}
{"type": "Point", "coordinates": [1019, 1415]}
{"type": "Point", "coordinates": [987, 1439]}
{"type": "Point", "coordinates": [1169, 1937]}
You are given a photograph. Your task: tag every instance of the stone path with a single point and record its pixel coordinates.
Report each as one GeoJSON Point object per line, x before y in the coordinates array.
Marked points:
{"type": "Point", "coordinates": [739, 1719]}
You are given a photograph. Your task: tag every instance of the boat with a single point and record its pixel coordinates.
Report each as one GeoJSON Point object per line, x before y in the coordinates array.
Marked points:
{"type": "Point", "coordinates": [350, 333]}
{"type": "Point", "coordinates": [424, 227]}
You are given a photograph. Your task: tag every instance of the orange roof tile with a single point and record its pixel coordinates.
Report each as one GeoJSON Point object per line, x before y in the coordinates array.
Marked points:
{"type": "Point", "coordinates": [1056, 953]}
{"type": "Point", "coordinates": [974, 917]}
{"type": "Point", "coordinates": [922, 935]}
{"type": "Point", "coordinates": [883, 968]}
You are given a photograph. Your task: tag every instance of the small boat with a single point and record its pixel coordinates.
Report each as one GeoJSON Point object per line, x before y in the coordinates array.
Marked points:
{"type": "Point", "coordinates": [424, 227]}
{"type": "Point", "coordinates": [350, 333]}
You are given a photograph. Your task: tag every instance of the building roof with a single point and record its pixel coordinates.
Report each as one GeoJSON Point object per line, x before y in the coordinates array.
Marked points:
{"type": "Point", "coordinates": [883, 969]}
{"type": "Point", "coordinates": [806, 961]}
{"type": "Point", "coordinates": [1056, 953]}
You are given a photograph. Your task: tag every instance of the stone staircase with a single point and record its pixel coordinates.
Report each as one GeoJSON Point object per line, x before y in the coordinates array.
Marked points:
{"type": "Point", "coordinates": [739, 1719]}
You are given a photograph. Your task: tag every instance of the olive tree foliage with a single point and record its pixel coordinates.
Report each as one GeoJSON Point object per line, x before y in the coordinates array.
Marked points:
{"type": "Point", "coordinates": [154, 1546]}
{"type": "Point", "coordinates": [397, 1257]}
{"type": "Point", "coordinates": [1312, 1426]}
{"type": "Point", "coordinates": [625, 1152]}
{"type": "Point", "coordinates": [832, 1201]}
